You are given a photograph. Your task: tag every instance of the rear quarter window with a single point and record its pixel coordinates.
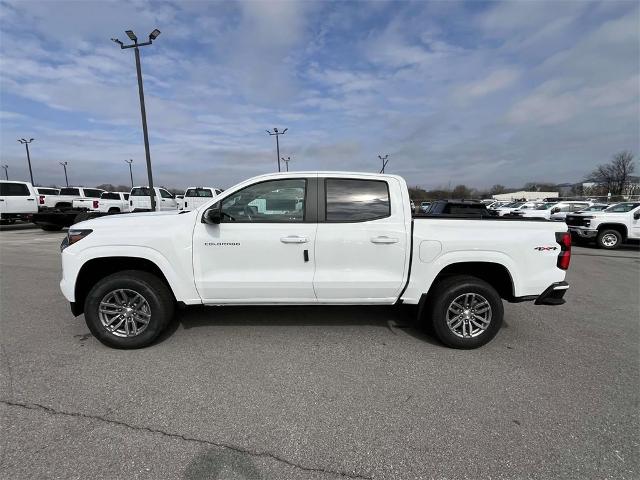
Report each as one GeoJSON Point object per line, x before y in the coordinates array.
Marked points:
{"type": "Point", "coordinates": [14, 190]}
{"type": "Point", "coordinates": [47, 191]}
{"type": "Point", "coordinates": [92, 193]}
{"type": "Point", "coordinates": [355, 200]}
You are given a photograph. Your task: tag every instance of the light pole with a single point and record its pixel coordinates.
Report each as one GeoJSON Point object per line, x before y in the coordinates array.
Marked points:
{"type": "Point", "coordinates": [130, 161]}
{"type": "Point", "coordinates": [26, 144]}
{"type": "Point", "coordinates": [6, 171]}
{"type": "Point", "coordinates": [286, 162]}
{"type": "Point", "coordinates": [384, 162]}
{"type": "Point", "coordinates": [64, 165]}
{"type": "Point", "coordinates": [152, 36]}
{"type": "Point", "coordinates": [277, 134]}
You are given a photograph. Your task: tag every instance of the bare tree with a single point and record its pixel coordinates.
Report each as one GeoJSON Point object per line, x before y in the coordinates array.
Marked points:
{"type": "Point", "coordinates": [615, 174]}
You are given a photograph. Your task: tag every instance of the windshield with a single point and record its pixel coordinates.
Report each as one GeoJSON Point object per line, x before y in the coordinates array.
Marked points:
{"type": "Point", "coordinates": [623, 207]}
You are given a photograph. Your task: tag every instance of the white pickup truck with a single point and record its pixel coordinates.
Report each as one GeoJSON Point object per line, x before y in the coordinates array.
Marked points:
{"type": "Point", "coordinates": [17, 201]}
{"type": "Point", "coordinates": [140, 201]}
{"type": "Point", "coordinates": [47, 197]}
{"type": "Point", "coordinates": [195, 197]}
{"type": "Point", "coordinates": [310, 238]}
{"type": "Point", "coordinates": [111, 202]}
{"type": "Point", "coordinates": [69, 195]}
{"type": "Point", "coordinates": [609, 227]}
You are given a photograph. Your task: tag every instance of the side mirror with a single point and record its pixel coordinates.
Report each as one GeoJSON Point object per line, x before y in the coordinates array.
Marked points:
{"type": "Point", "coordinates": [636, 215]}
{"type": "Point", "coordinates": [555, 209]}
{"type": "Point", "coordinates": [213, 215]}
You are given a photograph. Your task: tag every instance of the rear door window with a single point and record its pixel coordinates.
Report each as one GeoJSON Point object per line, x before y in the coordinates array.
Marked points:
{"type": "Point", "coordinates": [110, 196]}
{"type": "Point", "coordinates": [355, 200]}
{"type": "Point", "coordinates": [14, 190]}
{"type": "Point", "coordinates": [165, 194]}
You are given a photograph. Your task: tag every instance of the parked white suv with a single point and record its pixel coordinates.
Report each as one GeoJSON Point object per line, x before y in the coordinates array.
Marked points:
{"type": "Point", "coordinates": [17, 200]}
{"type": "Point", "coordinates": [194, 197]}
{"type": "Point", "coordinates": [310, 238]}
{"type": "Point", "coordinates": [610, 227]}
{"type": "Point", "coordinates": [139, 199]}
{"type": "Point", "coordinates": [560, 209]}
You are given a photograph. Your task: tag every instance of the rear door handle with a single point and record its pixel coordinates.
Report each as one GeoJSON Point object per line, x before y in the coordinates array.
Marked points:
{"type": "Point", "coordinates": [384, 239]}
{"type": "Point", "coordinates": [31, 199]}
{"type": "Point", "coordinates": [294, 239]}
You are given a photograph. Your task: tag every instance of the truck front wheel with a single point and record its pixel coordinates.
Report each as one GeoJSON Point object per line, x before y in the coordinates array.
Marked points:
{"type": "Point", "coordinates": [128, 309]}
{"type": "Point", "coordinates": [466, 312]}
{"type": "Point", "coordinates": [609, 239]}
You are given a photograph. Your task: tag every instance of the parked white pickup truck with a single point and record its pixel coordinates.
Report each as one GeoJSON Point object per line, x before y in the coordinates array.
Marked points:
{"type": "Point", "coordinates": [47, 196]}
{"type": "Point", "coordinates": [70, 194]}
{"type": "Point", "coordinates": [89, 197]}
{"type": "Point", "coordinates": [610, 227]}
{"type": "Point", "coordinates": [195, 197]}
{"type": "Point", "coordinates": [310, 238]}
{"type": "Point", "coordinates": [111, 202]}
{"type": "Point", "coordinates": [17, 200]}
{"type": "Point", "coordinates": [139, 200]}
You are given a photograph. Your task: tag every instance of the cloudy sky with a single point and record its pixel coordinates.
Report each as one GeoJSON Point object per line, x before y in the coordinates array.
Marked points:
{"type": "Point", "coordinates": [475, 93]}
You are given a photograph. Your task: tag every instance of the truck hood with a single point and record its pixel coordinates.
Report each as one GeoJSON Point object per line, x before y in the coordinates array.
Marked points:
{"type": "Point", "coordinates": [131, 220]}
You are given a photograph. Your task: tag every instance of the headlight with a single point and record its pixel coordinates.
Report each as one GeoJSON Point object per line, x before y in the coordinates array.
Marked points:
{"type": "Point", "coordinates": [73, 236]}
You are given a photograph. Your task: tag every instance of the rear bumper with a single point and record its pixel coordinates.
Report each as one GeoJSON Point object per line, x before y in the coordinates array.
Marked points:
{"type": "Point", "coordinates": [553, 295]}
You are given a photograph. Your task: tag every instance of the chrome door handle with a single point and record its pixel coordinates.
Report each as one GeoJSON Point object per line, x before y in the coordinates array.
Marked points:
{"type": "Point", "coordinates": [31, 199]}
{"type": "Point", "coordinates": [294, 239]}
{"type": "Point", "coordinates": [384, 239]}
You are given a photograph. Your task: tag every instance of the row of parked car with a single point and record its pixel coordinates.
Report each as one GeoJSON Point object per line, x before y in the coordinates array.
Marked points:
{"type": "Point", "coordinates": [20, 200]}
{"type": "Point", "coordinates": [608, 225]}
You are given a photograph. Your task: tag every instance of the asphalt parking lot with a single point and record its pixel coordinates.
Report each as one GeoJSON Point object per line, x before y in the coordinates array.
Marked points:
{"type": "Point", "coordinates": [320, 392]}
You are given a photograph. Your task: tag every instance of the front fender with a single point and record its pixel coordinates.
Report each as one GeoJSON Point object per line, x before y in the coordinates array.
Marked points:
{"type": "Point", "coordinates": [179, 277]}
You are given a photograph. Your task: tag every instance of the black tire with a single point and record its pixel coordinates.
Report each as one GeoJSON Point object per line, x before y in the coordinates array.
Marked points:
{"type": "Point", "coordinates": [114, 210]}
{"type": "Point", "coordinates": [51, 228]}
{"type": "Point", "coordinates": [449, 290]}
{"type": "Point", "coordinates": [151, 288]}
{"type": "Point", "coordinates": [609, 239]}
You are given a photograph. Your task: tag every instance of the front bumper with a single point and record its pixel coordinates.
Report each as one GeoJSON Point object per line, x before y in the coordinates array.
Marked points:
{"type": "Point", "coordinates": [583, 232]}
{"type": "Point", "coordinates": [553, 295]}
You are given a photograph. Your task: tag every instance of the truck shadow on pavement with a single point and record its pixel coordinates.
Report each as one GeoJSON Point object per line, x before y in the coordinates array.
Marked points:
{"type": "Point", "coordinates": [216, 464]}
{"type": "Point", "coordinates": [395, 319]}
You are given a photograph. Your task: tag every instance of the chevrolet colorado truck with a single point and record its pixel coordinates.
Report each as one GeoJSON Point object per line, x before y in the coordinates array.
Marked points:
{"type": "Point", "coordinates": [306, 239]}
{"type": "Point", "coordinates": [610, 227]}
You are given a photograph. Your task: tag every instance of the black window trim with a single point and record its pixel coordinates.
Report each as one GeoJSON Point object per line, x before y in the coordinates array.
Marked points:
{"type": "Point", "coordinates": [307, 213]}
{"type": "Point", "coordinates": [322, 210]}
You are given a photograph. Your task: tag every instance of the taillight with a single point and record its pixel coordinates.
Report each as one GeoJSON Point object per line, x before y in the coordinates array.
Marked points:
{"type": "Point", "coordinates": [41, 199]}
{"type": "Point", "coordinates": [95, 204]}
{"type": "Point", "coordinates": [564, 257]}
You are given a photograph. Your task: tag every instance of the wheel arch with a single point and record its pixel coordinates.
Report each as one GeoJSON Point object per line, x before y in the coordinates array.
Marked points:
{"type": "Point", "coordinates": [96, 269]}
{"type": "Point", "coordinates": [495, 274]}
{"type": "Point", "coordinates": [619, 227]}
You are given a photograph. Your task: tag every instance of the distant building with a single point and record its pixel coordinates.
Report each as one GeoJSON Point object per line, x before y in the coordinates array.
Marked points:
{"type": "Point", "coordinates": [527, 196]}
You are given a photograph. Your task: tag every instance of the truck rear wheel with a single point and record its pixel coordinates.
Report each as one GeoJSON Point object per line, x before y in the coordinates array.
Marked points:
{"type": "Point", "coordinates": [609, 239]}
{"type": "Point", "coordinates": [128, 309]}
{"type": "Point", "coordinates": [466, 312]}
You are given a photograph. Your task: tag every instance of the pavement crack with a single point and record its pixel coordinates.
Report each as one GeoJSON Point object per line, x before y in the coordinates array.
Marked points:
{"type": "Point", "coordinates": [235, 448]}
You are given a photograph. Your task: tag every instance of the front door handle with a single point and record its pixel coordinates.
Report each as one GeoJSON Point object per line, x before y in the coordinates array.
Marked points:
{"type": "Point", "coordinates": [294, 239]}
{"type": "Point", "coordinates": [384, 239]}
